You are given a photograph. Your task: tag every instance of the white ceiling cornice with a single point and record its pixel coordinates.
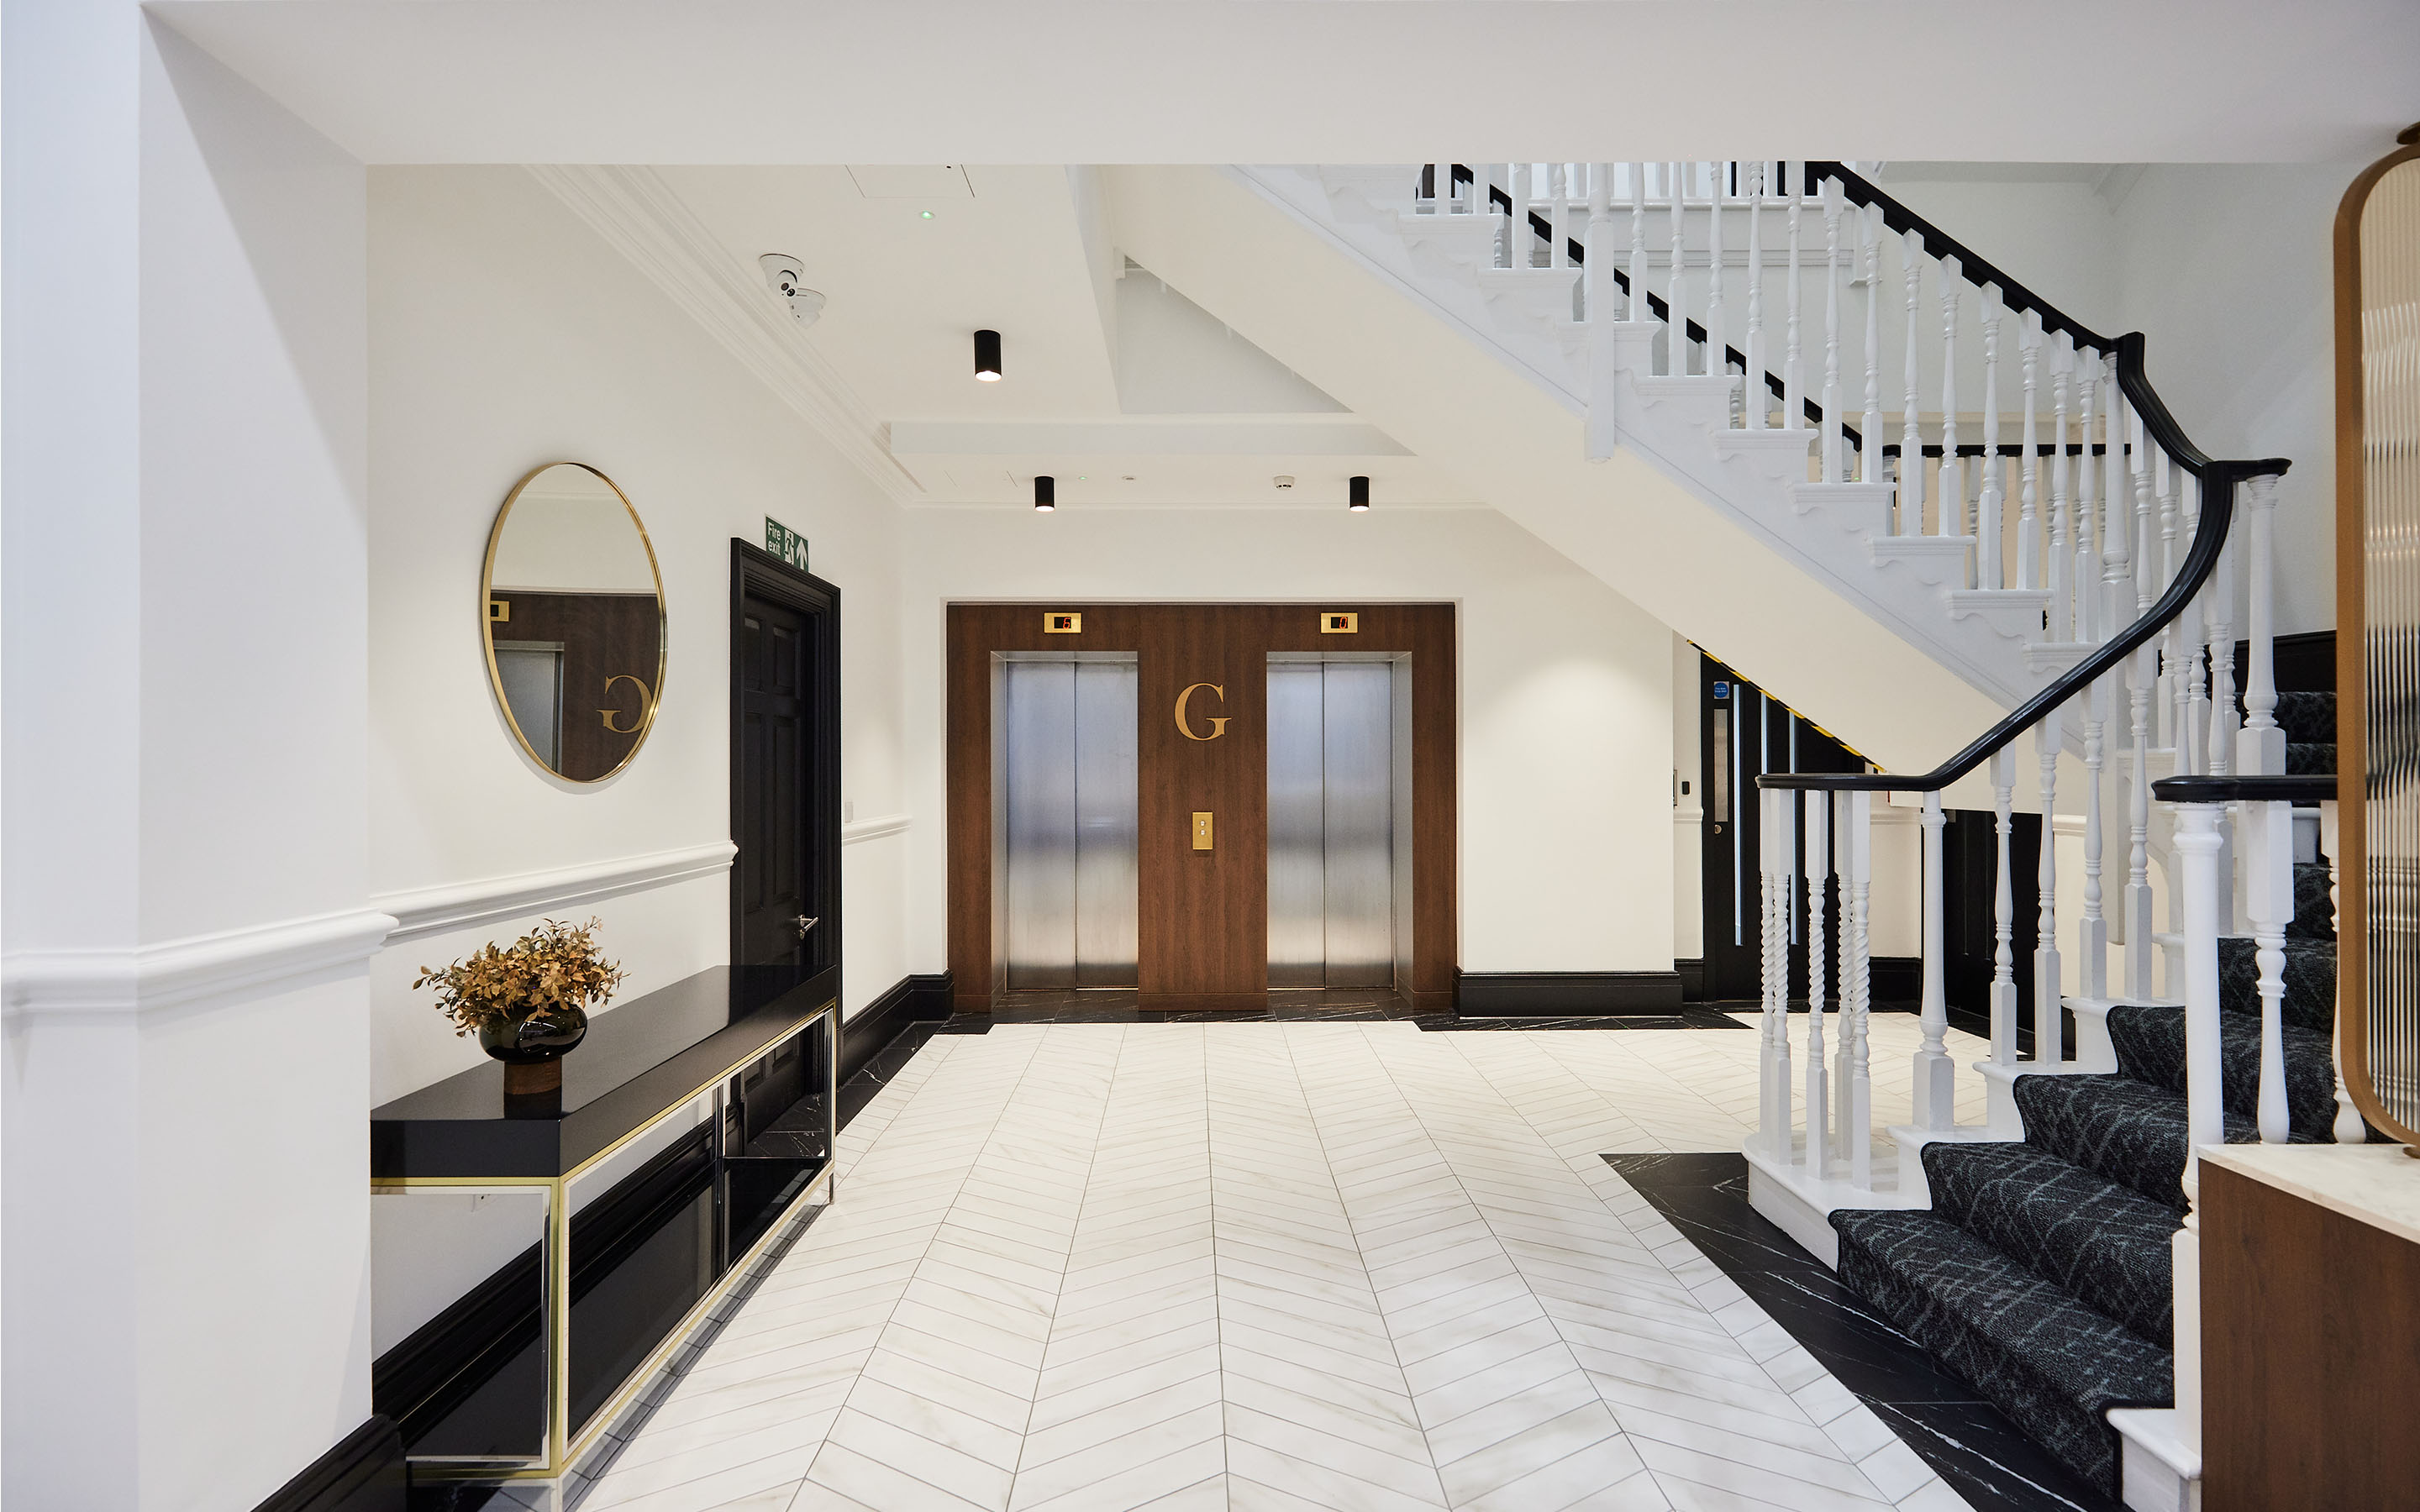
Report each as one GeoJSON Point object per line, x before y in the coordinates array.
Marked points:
{"type": "Point", "coordinates": [640, 216]}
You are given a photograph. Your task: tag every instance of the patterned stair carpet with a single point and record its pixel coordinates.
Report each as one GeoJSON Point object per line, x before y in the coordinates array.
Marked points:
{"type": "Point", "coordinates": [2043, 1273]}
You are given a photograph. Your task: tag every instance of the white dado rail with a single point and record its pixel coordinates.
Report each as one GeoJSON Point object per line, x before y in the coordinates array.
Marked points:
{"type": "Point", "coordinates": [422, 911]}
{"type": "Point", "coordinates": [188, 972]}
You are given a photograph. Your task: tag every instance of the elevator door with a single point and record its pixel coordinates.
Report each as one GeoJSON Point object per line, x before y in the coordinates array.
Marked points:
{"type": "Point", "coordinates": [1331, 824]}
{"type": "Point", "coordinates": [1069, 766]}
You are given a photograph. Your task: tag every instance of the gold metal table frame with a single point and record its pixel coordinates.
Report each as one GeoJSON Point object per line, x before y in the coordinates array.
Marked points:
{"type": "Point", "coordinates": [563, 1448]}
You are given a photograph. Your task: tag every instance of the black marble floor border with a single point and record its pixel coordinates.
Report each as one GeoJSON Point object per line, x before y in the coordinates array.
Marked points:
{"type": "Point", "coordinates": [1969, 1442]}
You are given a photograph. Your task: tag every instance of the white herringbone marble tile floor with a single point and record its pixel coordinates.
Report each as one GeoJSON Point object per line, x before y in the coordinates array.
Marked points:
{"type": "Point", "coordinates": [1268, 1266]}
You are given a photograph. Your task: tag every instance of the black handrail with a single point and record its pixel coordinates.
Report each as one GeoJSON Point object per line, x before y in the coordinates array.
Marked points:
{"type": "Point", "coordinates": [2217, 479]}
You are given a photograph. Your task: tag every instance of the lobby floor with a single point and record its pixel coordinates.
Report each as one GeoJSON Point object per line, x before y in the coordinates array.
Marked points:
{"type": "Point", "coordinates": [1326, 1263]}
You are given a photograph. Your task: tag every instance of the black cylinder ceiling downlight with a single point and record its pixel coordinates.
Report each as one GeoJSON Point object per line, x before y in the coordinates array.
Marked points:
{"type": "Point", "coordinates": [1358, 501]}
{"type": "Point", "coordinates": [988, 356]}
{"type": "Point", "coordinates": [1045, 493]}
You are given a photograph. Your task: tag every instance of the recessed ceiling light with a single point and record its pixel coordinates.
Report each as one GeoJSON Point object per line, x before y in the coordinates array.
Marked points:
{"type": "Point", "coordinates": [988, 356]}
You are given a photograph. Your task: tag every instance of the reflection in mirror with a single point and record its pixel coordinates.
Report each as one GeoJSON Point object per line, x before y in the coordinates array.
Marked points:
{"type": "Point", "coordinates": [574, 621]}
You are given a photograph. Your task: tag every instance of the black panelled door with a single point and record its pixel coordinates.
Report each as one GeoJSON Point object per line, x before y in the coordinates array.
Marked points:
{"type": "Point", "coordinates": [1741, 735]}
{"type": "Point", "coordinates": [786, 808]}
{"type": "Point", "coordinates": [776, 920]}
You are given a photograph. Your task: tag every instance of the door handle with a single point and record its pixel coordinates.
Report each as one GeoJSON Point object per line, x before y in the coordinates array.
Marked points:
{"type": "Point", "coordinates": [805, 924]}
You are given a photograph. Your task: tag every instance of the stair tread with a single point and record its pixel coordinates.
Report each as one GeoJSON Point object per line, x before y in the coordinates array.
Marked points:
{"type": "Point", "coordinates": [2053, 1363]}
{"type": "Point", "coordinates": [2106, 1245]}
{"type": "Point", "coordinates": [2151, 1043]}
{"type": "Point", "coordinates": [2130, 1132]}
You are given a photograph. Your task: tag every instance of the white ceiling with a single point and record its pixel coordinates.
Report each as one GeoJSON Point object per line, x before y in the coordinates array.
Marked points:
{"type": "Point", "coordinates": [1164, 407]}
{"type": "Point", "coordinates": [1335, 81]}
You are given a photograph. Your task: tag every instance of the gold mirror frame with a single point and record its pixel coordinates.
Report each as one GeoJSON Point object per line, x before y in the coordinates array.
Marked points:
{"type": "Point", "coordinates": [487, 623]}
{"type": "Point", "coordinates": [2352, 865]}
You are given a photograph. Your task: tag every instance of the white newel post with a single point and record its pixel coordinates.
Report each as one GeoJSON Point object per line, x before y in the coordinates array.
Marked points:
{"type": "Point", "coordinates": [2265, 845]}
{"type": "Point", "coordinates": [1936, 1088]}
{"type": "Point", "coordinates": [2260, 745]}
{"type": "Point", "coordinates": [1854, 813]}
{"type": "Point", "coordinates": [2197, 844]}
{"type": "Point", "coordinates": [2049, 1035]}
{"type": "Point", "coordinates": [1819, 872]}
{"type": "Point", "coordinates": [1777, 862]}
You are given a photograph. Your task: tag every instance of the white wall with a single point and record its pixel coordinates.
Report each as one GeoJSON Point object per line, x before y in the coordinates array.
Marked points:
{"type": "Point", "coordinates": [1566, 701]}
{"type": "Point", "coordinates": [504, 334]}
{"type": "Point", "coordinates": [186, 1273]}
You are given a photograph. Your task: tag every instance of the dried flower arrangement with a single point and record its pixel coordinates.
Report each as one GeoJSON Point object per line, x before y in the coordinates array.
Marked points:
{"type": "Point", "coordinates": [556, 965]}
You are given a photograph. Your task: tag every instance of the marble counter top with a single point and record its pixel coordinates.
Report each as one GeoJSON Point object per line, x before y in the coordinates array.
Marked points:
{"type": "Point", "coordinates": [2376, 1184]}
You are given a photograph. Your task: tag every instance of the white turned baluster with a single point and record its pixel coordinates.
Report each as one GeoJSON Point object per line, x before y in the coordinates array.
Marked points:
{"type": "Point", "coordinates": [1776, 853]}
{"type": "Point", "coordinates": [2219, 610]}
{"type": "Point", "coordinates": [1753, 398]}
{"type": "Point", "coordinates": [2116, 513]}
{"type": "Point", "coordinates": [1831, 444]}
{"type": "Point", "coordinates": [1516, 233]}
{"type": "Point", "coordinates": [2092, 929]}
{"type": "Point", "coordinates": [1559, 216]}
{"type": "Point", "coordinates": [2029, 547]}
{"type": "Point", "coordinates": [1718, 361]}
{"type": "Point", "coordinates": [2004, 911]}
{"type": "Point", "coordinates": [2192, 718]}
{"type": "Point", "coordinates": [2261, 747]}
{"type": "Point", "coordinates": [1952, 486]}
{"type": "Point", "coordinates": [1989, 571]}
{"type": "Point", "coordinates": [1855, 813]}
{"type": "Point", "coordinates": [2265, 839]}
{"type": "Point", "coordinates": [2137, 902]}
{"type": "Point", "coordinates": [1794, 393]}
{"type": "Point", "coordinates": [1870, 445]}
{"type": "Point", "coordinates": [2350, 1128]}
{"type": "Point", "coordinates": [1911, 440]}
{"type": "Point", "coordinates": [1819, 872]}
{"type": "Point", "coordinates": [2061, 577]}
{"type": "Point", "coordinates": [1676, 314]}
{"type": "Point", "coordinates": [1935, 1098]}
{"type": "Point", "coordinates": [2091, 596]}
{"type": "Point", "coordinates": [2049, 1035]}
{"type": "Point", "coordinates": [1640, 308]}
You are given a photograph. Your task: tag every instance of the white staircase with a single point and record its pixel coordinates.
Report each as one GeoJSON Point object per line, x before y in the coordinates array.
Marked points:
{"type": "Point", "coordinates": [1696, 428]}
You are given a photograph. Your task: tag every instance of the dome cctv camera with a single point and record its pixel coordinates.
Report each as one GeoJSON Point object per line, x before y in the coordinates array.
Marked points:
{"type": "Point", "coordinates": [784, 275]}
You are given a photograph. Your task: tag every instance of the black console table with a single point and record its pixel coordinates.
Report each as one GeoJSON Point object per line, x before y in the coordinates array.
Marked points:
{"type": "Point", "coordinates": [710, 1104]}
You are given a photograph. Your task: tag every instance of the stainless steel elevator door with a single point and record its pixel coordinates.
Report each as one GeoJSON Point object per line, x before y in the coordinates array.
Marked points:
{"type": "Point", "coordinates": [1331, 824]}
{"type": "Point", "coordinates": [1069, 763]}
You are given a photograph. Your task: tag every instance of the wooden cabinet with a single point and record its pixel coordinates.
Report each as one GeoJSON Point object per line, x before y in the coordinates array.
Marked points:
{"type": "Point", "coordinates": [2310, 1327]}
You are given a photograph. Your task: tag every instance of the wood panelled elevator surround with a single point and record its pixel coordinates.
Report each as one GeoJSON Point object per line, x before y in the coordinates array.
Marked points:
{"type": "Point", "coordinates": [1203, 938]}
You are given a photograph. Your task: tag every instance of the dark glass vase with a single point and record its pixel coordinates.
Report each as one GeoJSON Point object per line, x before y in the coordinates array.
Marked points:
{"type": "Point", "coordinates": [548, 1034]}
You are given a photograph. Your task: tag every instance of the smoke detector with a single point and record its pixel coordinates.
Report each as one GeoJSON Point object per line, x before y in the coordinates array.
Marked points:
{"type": "Point", "coordinates": [1284, 480]}
{"type": "Point", "coordinates": [786, 276]}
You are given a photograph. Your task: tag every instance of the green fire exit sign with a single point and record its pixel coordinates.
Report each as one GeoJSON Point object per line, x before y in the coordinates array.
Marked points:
{"type": "Point", "coordinates": [785, 543]}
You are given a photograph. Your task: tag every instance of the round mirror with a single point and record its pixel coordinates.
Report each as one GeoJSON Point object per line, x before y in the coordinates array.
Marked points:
{"type": "Point", "coordinates": [574, 621]}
